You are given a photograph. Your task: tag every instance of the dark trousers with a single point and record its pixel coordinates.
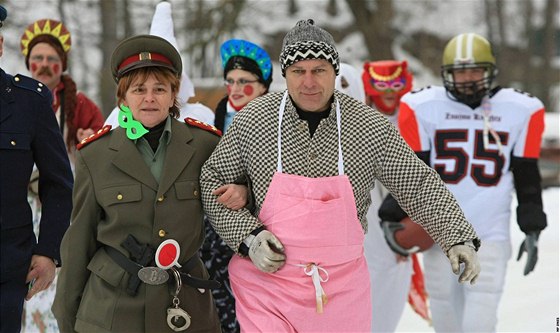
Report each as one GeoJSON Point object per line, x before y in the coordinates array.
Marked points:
{"type": "Point", "coordinates": [12, 295]}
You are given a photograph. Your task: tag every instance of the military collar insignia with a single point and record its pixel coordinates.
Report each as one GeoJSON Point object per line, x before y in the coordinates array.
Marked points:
{"type": "Point", "coordinates": [204, 126]}
{"type": "Point", "coordinates": [106, 129]}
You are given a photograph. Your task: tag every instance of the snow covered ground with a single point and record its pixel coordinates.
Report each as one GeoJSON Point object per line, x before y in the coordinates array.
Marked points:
{"type": "Point", "coordinates": [529, 303]}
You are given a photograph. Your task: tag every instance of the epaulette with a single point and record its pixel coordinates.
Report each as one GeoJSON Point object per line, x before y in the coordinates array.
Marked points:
{"type": "Point", "coordinates": [204, 126]}
{"type": "Point", "coordinates": [106, 129]}
{"type": "Point", "coordinates": [28, 83]}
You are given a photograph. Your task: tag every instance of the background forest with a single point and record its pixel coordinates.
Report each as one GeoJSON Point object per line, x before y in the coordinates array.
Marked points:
{"type": "Point", "coordinates": [524, 33]}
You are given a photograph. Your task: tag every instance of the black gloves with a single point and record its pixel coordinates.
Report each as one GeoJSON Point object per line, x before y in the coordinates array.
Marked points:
{"type": "Point", "coordinates": [530, 246]}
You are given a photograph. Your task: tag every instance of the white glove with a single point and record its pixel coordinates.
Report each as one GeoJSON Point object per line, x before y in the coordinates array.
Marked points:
{"type": "Point", "coordinates": [464, 254]}
{"type": "Point", "coordinates": [266, 252]}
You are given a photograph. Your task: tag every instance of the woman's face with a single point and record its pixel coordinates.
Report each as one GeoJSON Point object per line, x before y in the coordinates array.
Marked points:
{"type": "Point", "coordinates": [242, 87]}
{"type": "Point", "coordinates": [149, 101]}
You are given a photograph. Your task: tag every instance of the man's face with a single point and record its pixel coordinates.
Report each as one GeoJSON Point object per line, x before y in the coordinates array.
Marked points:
{"type": "Point", "coordinates": [45, 65]}
{"type": "Point", "coordinates": [469, 80]}
{"type": "Point", "coordinates": [1, 44]}
{"type": "Point", "coordinates": [311, 84]}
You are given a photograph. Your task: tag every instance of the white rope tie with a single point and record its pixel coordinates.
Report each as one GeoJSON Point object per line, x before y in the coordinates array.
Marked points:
{"type": "Point", "coordinates": [486, 110]}
{"type": "Point", "coordinates": [314, 271]}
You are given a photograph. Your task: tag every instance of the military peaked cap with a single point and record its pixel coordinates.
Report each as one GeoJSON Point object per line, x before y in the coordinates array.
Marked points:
{"type": "Point", "coordinates": [144, 51]}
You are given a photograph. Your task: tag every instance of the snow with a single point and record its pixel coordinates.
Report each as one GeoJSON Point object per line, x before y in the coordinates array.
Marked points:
{"type": "Point", "coordinates": [529, 303]}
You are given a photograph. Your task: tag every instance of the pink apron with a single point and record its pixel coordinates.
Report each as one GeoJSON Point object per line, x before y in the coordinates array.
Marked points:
{"type": "Point", "coordinates": [324, 286]}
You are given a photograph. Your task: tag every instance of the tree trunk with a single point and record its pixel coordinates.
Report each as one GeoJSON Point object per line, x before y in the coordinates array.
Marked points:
{"type": "Point", "coordinates": [108, 11]}
{"type": "Point", "coordinates": [375, 26]}
{"type": "Point", "coordinates": [550, 76]}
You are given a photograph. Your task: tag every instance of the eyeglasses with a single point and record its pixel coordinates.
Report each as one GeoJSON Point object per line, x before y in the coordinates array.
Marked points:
{"type": "Point", "coordinates": [240, 82]}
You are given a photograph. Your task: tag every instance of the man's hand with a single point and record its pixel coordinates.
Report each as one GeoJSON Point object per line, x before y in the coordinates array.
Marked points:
{"type": "Point", "coordinates": [464, 254]}
{"type": "Point", "coordinates": [530, 246]}
{"type": "Point", "coordinates": [232, 196]}
{"type": "Point", "coordinates": [41, 275]}
{"type": "Point", "coordinates": [266, 252]}
{"type": "Point", "coordinates": [82, 133]}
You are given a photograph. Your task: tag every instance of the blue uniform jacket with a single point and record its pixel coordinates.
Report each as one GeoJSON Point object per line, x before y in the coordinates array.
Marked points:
{"type": "Point", "coordinates": [30, 134]}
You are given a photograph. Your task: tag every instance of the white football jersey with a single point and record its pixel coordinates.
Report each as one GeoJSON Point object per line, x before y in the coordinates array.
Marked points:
{"type": "Point", "coordinates": [452, 132]}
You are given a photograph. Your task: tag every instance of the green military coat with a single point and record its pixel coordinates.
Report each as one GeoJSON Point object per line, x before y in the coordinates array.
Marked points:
{"type": "Point", "coordinates": [115, 195]}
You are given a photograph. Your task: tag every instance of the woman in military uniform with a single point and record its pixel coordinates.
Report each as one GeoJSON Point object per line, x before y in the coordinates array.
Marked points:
{"type": "Point", "coordinates": [137, 187]}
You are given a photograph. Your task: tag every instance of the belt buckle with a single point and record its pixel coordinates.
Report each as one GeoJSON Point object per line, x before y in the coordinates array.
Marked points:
{"type": "Point", "coordinates": [153, 275]}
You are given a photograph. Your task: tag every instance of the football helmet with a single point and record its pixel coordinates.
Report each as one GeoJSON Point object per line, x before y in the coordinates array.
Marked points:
{"type": "Point", "coordinates": [383, 78]}
{"type": "Point", "coordinates": [464, 51]}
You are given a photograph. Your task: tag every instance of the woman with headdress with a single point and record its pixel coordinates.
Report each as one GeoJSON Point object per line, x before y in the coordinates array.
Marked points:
{"type": "Point", "coordinates": [247, 75]}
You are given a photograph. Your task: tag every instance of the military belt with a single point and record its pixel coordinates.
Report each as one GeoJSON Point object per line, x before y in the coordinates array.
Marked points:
{"type": "Point", "coordinates": [134, 269]}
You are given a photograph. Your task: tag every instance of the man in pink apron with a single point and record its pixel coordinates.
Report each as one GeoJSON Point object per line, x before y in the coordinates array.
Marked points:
{"type": "Point", "coordinates": [312, 155]}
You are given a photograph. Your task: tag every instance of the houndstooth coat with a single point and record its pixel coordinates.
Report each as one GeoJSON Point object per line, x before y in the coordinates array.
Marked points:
{"type": "Point", "coordinates": [372, 149]}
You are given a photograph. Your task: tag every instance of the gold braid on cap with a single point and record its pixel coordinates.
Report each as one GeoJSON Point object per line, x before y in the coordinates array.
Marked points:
{"type": "Point", "coordinates": [380, 77]}
{"type": "Point", "coordinates": [46, 27]}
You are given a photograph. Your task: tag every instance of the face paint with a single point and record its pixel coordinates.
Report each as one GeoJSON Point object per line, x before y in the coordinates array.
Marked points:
{"type": "Point", "coordinates": [248, 90]}
{"type": "Point", "coordinates": [242, 87]}
{"type": "Point", "coordinates": [45, 64]}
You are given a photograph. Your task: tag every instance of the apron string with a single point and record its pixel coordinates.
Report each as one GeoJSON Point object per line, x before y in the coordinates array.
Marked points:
{"type": "Point", "coordinates": [279, 136]}
{"type": "Point", "coordinates": [314, 271]}
{"type": "Point", "coordinates": [338, 125]}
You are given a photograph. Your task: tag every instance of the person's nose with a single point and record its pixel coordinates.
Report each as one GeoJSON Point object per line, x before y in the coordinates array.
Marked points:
{"type": "Point", "coordinates": [236, 85]}
{"type": "Point", "coordinates": [308, 80]}
{"type": "Point", "coordinates": [149, 97]}
{"type": "Point", "coordinates": [469, 76]}
{"type": "Point", "coordinates": [44, 62]}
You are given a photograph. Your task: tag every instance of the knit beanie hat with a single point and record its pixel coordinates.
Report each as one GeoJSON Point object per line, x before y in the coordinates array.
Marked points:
{"type": "Point", "coordinates": [307, 41]}
{"type": "Point", "coordinates": [47, 31]}
{"type": "Point", "coordinates": [241, 54]}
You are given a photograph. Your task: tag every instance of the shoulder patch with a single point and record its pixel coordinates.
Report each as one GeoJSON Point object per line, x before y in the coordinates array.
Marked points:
{"type": "Point", "coordinates": [204, 126]}
{"type": "Point", "coordinates": [106, 129]}
{"type": "Point", "coordinates": [28, 83]}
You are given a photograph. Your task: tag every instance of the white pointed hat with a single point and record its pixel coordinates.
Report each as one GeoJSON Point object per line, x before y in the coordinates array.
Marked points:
{"type": "Point", "coordinates": [162, 26]}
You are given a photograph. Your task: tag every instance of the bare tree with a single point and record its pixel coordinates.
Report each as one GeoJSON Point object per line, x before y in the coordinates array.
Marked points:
{"type": "Point", "coordinates": [551, 77]}
{"type": "Point", "coordinates": [374, 19]}
{"type": "Point", "coordinates": [527, 66]}
{"type": "Point", "coordinates": [109, 40]}
{"type": "Point", "coordinates": [207, 22]}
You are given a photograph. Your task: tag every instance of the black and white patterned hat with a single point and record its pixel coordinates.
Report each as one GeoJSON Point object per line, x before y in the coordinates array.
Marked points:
{"type": "Point", "coordinates": [308, 41]}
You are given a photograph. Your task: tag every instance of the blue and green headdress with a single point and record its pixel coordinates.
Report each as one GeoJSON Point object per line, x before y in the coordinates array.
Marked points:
{"type": "Point", "coordinates": [241, 54]}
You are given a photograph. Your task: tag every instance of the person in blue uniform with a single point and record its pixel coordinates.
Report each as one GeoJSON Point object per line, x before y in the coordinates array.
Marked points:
{"type": "Point", "coordinates": [29, 135]}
